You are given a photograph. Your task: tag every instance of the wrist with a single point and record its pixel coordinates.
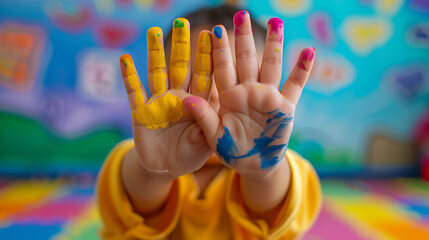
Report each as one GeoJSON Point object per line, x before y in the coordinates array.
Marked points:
{"type": "Point", "coordinates": [146, 191]}
{"type": "Point", "coordinates": [262, 193]}
{"type": "Point", "coordinates": [159, 176]}
{"type": "Point", "coordinates": [267, 174]}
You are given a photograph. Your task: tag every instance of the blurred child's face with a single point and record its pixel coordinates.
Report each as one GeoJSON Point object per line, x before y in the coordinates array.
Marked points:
{"type": "Point", "coordinates": [195, 31]}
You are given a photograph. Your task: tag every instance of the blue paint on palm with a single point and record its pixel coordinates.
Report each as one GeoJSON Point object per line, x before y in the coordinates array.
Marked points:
{"type": "Point", "coordinates": [270, 154]}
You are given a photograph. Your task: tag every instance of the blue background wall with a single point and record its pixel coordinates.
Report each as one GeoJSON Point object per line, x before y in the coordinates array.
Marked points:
{"type": "Point", "coordinates": [63, 106]}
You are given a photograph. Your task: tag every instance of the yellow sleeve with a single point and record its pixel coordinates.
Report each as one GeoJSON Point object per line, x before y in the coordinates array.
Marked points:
{"type": "Point", "coordinates": [298, 212]}
{"type": "Point", "coordinates": [119, 220]}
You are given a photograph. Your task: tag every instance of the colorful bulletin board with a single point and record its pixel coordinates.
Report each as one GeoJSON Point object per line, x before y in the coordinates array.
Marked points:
{"type": "Point", "coordinates": [63, 106]}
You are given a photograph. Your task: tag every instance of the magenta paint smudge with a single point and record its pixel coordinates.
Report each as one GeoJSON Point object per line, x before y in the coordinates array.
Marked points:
{"type": "Point", "coordinates": [308, 54]}
{"type": "Point", "coordinates": [276, 26]}
{"type": "Point", "coordinates": [239, 19]}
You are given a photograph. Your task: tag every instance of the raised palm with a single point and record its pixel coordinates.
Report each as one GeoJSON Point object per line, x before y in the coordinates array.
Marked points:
{"type": "Point", "coordinates": [167, 140]}
{"type": "Point", "coordinates": [251, 131]}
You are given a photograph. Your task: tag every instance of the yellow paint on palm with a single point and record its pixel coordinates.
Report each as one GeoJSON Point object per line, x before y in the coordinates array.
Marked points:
{"type": "Point", "coordinates": [159, 112]}
{"type": "Point", "coordinates": [156, 60]}
{"type": "Point", "coordinates": [203, 62]}
{"type": "Point", "coordinates": [180, 51]}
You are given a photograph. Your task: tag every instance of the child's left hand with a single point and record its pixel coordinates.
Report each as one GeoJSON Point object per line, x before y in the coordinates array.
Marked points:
{"type": "Point", "coordinates": [251, 131]}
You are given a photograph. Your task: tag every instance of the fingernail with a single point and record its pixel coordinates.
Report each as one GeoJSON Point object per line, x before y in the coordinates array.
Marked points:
{"type": "Point", "coordinates": [191, 101]}
{"type": "Point", "coordinates": [218, 32]}
{"type": "Point", "coordinates": [154, 34]}
{"type": "Point", "coordinates": [307, 54]}
{"type": "Point", "coordinates": [239, 19]}
{"type": "Point", "coordinates": [276, 25]}
{"type": "Point", "coordinates": [128, 64]}
{"type": "Point", "coordinates": [179, 23]}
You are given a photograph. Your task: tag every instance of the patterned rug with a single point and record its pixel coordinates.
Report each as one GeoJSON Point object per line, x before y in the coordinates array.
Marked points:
{"type": "Point", "coordinates": [353, 209]}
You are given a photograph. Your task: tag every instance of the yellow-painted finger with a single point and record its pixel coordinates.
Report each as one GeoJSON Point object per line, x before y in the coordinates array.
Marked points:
{"type": "Point", "coordinates": [154, 114]}
{"type": "Point", "coordinates": [203, 68]}
{"type": "Point", "coordinates": [180, 60]}
{"type": "Point", "coordinates": [156, 62]}
{"type": "Point", "coordinates": [135, 90]}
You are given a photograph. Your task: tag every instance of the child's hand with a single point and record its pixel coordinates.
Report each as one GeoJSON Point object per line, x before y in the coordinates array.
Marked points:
{"type": "Point", "coordinates": [252, 129]}
{"type": "Point", "coordinates": [167, 141]}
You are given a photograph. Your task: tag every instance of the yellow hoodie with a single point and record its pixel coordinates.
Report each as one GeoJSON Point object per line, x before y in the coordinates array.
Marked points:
{"type": "Point", "coordinates": [220, 215]}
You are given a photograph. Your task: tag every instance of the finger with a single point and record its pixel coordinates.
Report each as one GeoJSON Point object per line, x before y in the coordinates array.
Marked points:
{"type": "Point", "coordinates": [245, 50]}
{"type": "Point", "coordinates": [203, 68]}
{"type": "Point", "coordinates": [180, 61]}
{"type": "Point", "coordinates": [206, 117]}
{"type": "Point", "coordinates": [135, 90]}
{"type": "Point", "coordinates": [271, 68]}
{"type": "Point", "coordinates": [223, 67]}
{"type": "Point", "coordinates": [157, 70]}
{"type": "Point", "coordinates": [295, 83]}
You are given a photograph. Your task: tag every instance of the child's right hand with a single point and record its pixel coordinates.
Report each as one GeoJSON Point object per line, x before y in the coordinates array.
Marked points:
{"type": "Point", "coordinates": [168, 143]}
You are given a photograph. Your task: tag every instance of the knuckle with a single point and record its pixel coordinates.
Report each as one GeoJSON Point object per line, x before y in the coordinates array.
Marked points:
{"type": "Point", "coordinates": [273, 60]}
{"type": "Point", "coordinates": [246, 54]}
{"type": "Point", "coordinates": [222, 65]}
{"type": "Point", "coordinates": [295, 81]}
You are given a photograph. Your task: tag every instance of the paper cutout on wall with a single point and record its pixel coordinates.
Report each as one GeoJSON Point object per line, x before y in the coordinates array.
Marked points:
{"type": "Point", "coordinates": [99, 76]}
{"type": "Point", "coordinates": [104, 6]}
{"type": "Point", "coordinates": [159, 5]}
{"type": "Point", "coordinates": [21, 49]}
{"type": "Point", "coordinates": [390, 7]}
{"type": "Point", "coordinates": [364, 34]}
{"type": "Point", "coordinates": [408, 81]}
{"type": "Point", "coordinates": [320, 26]}
{"type": "Point", "coordinates": [418, 35]}
{"type": "Point", "coordinates": [331, 71]}
{"type": "Point", "coordinates": [291, 7]}
{"type": "Point", "coordinates": [116, 34]}
{"type": "Point", "coordinates": [420, 5]}
{"type": "Point", "coordinates": [72, 19]}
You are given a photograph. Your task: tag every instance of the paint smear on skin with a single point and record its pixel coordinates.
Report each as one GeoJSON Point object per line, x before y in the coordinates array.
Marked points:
{"type": "Point", "coordinates": [277, 50]}
{"type": "Point", "coordinates": [218, 32]}
{"type": "Point", "coordinates": [270, 154]}
{"type": "Point", "coordinates": [157, 60]}
{"type": "Point", "coordinates": [276, 25]}
{"type": "Point", "coordinates": [180, 51]}
{"type": "Point", "coordinates": [306, 55]}
{"type": "Point", "coordinates": [203, 62]}
{"type": "Point", "coordinates": [160, 111]}
{"type": "Point", "coordinates": [239, 20]}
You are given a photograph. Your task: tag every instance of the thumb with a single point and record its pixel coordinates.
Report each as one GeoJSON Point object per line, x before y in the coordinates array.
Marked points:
{"type": "Point", "coordinates": [204, 114]}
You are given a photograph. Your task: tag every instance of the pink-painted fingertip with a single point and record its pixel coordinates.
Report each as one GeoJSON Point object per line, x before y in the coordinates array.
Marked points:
{"type": "Point", "coordinates": [276, 25]}
{"type": "Point", "coordinates": [239, 19]}
{"type": "Point", "coordinates": [191, 101]}
{"type": "Point", "coordinates": [307, 54]}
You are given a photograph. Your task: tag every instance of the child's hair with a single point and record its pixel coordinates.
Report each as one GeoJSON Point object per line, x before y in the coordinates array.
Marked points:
{"type": "Point", "coordinates": [219, 15]}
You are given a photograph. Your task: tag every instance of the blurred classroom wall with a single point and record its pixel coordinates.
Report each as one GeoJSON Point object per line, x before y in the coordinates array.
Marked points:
{"type": "Point", "coordinates": [63, 106]}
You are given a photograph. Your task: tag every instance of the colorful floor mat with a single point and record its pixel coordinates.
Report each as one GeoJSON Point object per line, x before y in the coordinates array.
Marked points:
{"type": "Point", "coordinates": [353, 210]}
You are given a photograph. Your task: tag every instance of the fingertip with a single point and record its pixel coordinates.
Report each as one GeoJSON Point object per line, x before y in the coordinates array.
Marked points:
{"type": "Point", "coordinates": [204, 42]}
{"type": "Point", "coordinates": [181, 23]}
{"type": "Point", "coordinates": [154, 31]}
{"type": "Point", "coordinates": [275, 25]}
{"type": "Point", "coordinates": [218, 31]}
{"type": "Point", "coordinates": [239, 20]}
{"type": "Point", "coordinates": [125, 57]}
{"type": "Point", "coordinates": [127, 65]}
{"type": "Point", "coordinates": [307, 54]}
{"type": "Point", "coordinates": [191, 102]}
